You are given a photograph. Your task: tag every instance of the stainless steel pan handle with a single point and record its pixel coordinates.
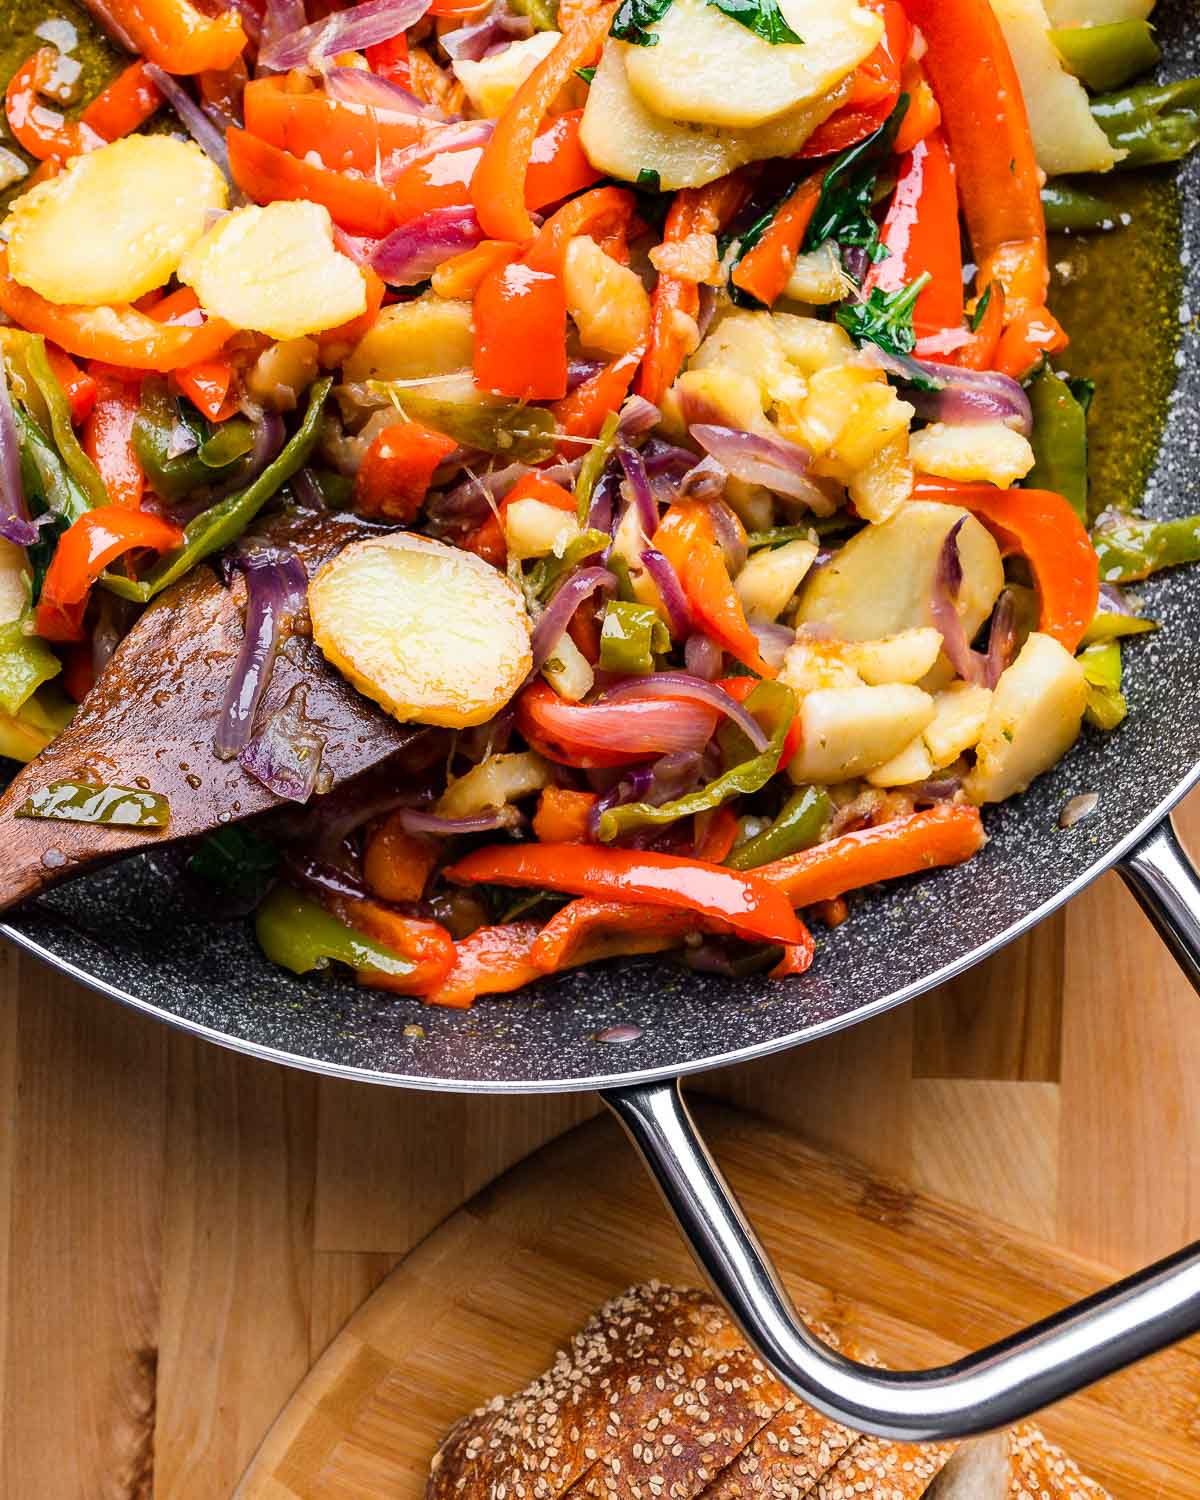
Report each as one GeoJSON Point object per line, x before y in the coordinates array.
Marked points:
{"type": "Point", "coordinates": [994, 1387]}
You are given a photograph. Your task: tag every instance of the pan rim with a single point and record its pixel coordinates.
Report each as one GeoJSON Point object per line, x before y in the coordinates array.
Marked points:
{"type": "Point", "coordinates": [635, 1076]}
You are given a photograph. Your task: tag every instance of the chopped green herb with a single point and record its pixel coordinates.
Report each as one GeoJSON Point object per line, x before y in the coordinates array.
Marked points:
{"type": "Point", "coordinates": [762, 17]}
{"type": "Point", "coordinates": [633, 21]}
{"type": "Point", "coordinates": [234, 860]}
{"type": "Point", "coordinates": [587, 74]}
{"type": "Point", "coordinates": [885, 318]}
{"type": "Point", "coordinates": [981, 308]}
{"type": "Point", "coordinates": [843, 211]}
{"type": "Point", "coordinates": [80, 802]}
{"type": "Point", "coordinates": [648, 179]}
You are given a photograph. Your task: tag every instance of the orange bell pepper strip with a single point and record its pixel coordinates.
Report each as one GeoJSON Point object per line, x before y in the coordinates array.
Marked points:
{"type": "Point", "coordinates": [876, 88]}
{"type": "Point", "coordinates": [743, 901]}
{"type": "Point", "coordinates": [558, 167]}
{"type": "Point", "coordinates": [492, 961]}
{"type": "Point", "coordinates": [945, 835]}
{"type": "Point", "coordinates": [43, 131]}
{"type": "Point", "coordinates": [535, 486]}
{"type": "Point", "coordinates": [920, 234]}
{"type": "Point", "coordinates": [82, 553]}
{"type": "Point", "coordinates": [600, 213]}
{"type": "Point", "coordinates": [441, 181]}
{"type": "Point", "coordinates": [119, 335]}
{"type": "Point", "coordinates": [717, 836]}
{"type": "Point", "coordinates": [124, 105]}
{"type": "Point", "coordinates": [686, 539]}
{"type": "Point", "coordinates": [356, 203]}
{"type": "Point", "coordinates": [208, 385]}
{"type": "Point", "coordinates": [390, 60]}
{"type": "Point", "coordinates": [1052, 538]}
{"type": "Point", "coordinates": [923, 115]}
{"type": "Point", "coordinates": [797, 958]}
{"type": "Point", "coordinates": [1031, 334]}
{"type": "Point", "coordinates": [675, 301]}
{"type": "Point", "coordinates": [393, 478]}
{"type": "Point", "coordinates": [78, 386]}
{"type": "Point", "coordinates": [586, 930]}
{"type": "Point", "coordinates": [108, 440]}
{"type": "Point", "coordinates": [562, 816]}
{"type": "Point", "coordinates": [581, 414]}
{"type": "Point", "coordinates": [397, 864]}
{"type": "Point", "coordinates": [346, 137]}
{"type": "Point", "coordinates": [499, 189]}
{"type": "Point", "coordinates": [426, 944]}
{"type": "Point", "coordinates": [979, 351]}
{"type": "Point", "coordinates": [459, 277]}
{"type": "Point", "coordinates": [987, 129]}
{"type": "Point", "coordinates": [520, 317]}
{"type": "Point", "coordinates": [764, 270]}
{"type": "Point", "coordinates": [175, 35]}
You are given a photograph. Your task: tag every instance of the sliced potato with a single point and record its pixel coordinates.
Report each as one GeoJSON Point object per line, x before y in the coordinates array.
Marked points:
{"type": "Point", "coordinates": [813, 664]}
{"type": "Point", "coordinates": [770, 578]}
{"type": "Point", "coordinates": [429, 336]}
{"type": "Point", "coordinates": [881, 581]}
{"type": "Point", "coordinates": [906, 657]}
{"type": "Point", "coordinates": [833, 395]}
{"type": "Point", "coordinates": [606, 300]}
{"type": "Point", "coordinates": [282, 371]}
{"type": "Point", "coordinates": [911, 765]}
{"type": "Point", "coordinates": [1036, 713]}
{"type": "Point", "coordinates": [494, 782]}
{"type": "Point", "coordinates": [534, 529]}
{"type": "Point", "coordinates": [986, 452]}
{"type": "Point", "coordinates": [818, 278]}
{"type": "Point", "coordinates": [1065, 136]}
{"type": "Point", "coordinates": [116, 223]}
{"type": "Point", "coordinates": [721, 395]}
{"type": "Point", "coordinates": [492, 81]}
{"type": "Point", "coordinates": [748, 344]}
{"type": "Point", "coordinates": [15, 581]}
{"type": "Point", "coordinates": [568, 671]}
{"type": "Point", "coordinates": [709, 69]}
{"type": "Point", "coordinates": [430, 632]}
{"type": "Point", "coordinates": [622, 137]}
{"type": "Point", "coordinates": [878, 418]}
{"type": "Point", "coordinates": [274, 269]}
{"type": "Point", "coordinates": [850, 731]}
{"type": "Point", "coordinates": [959, 714]}
{"type": "Point", "coordinates": [884, 482]}
{"type": "Point", "coordinates": [812, 344]}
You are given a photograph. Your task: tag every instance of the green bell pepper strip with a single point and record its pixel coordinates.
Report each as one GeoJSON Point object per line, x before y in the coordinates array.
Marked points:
{"type": "Point", "coordinates": [1107, 57]}
{"type": "Point", "coordinates": [25, 663]}
{"type": "Point", "coordinates": [215, 453]}
{"type": "Point", "coordinates": [1154, 122]}
{"type": "Point", "coordinates": [629, 637]}
{"type": "Point", "coordinates": [541, 14]}
{"type": "Point", "coordinates": [1131, 550]}
{"type": "Point", "coordinates": [1106, 706]}
{"type": "Point", "coordinates": [770, 701]}
{"type": "Point", "coordinates": [592, 466]}
{"type": "Point", "coordinates": [85, 802]}
{"type": "Point", "coordinates": [525, 434]}
{"type": "Point", "coordinates": [84, 471]}
{"type": "Point", "coordinates": [1060, 441]}
{"type": "Point", "coordinates": [26, 734]}
{"type": "Point", "coordinates": [1071, 210]}
{"type": "Point", "coordinates": [548, 572]}
{"type": "Point", "coordinates": [44, 475]}
{"type": "Point", "coordinates": [224, 522]}
{"type": "Point", "coordinates": [1111, 627]}
{"type": "Point", "coordinates": [231, 441]}
{"type": "Point", "coordinates": [800, 824]}
{"type": "Point", "coordinates": [299, 935]}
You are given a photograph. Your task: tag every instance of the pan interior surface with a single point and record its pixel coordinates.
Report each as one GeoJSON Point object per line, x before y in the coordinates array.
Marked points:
{"type": "Point", "coordinates": [125, 931]}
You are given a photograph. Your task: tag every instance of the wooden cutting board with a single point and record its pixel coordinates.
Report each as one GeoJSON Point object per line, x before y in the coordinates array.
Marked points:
{"type": "Point", "coordinates": [481, 1305]}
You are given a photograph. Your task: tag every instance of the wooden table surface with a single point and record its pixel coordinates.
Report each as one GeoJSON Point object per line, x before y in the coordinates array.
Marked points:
{"type": "Point", "coordinates": [182, 1230]}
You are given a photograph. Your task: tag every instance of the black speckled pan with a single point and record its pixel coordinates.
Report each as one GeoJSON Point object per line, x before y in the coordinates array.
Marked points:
{"type": "Point", "coordinates": [633, 1028]}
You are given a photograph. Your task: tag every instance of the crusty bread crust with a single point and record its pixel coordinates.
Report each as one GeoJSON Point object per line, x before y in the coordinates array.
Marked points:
{"type": "Point", "coordinates": [1040, 1471]}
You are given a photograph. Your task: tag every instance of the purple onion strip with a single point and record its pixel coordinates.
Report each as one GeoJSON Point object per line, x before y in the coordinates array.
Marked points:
{"type": "Point", "coordinates": [640, 493]}
{"type": "Point", "coordinates": [286, 754]}
{"type": "Point", "coordinates": [379, 95]}
{"type": "Point", "coordinates": [345, 31]}
{"type": "Point", "coordinates": [972, 666]}
{"type": "Point", "coordinates": [637, 416]}
{"type": "Point", "coordinates": [574, 589]}
{"type": "Point", "coordinates": [202, 130]}
{"type": "Point", "coordinates": [486, 822]}
{"type": "Point", "coordinates": [729, 533]}
{"type": "Point", "coordinates": [276, 588]}
{"type": "Point", "coordinates": [324, 879]}
{"type": "Point", "coordinates": [681, 685]}
{"type": "Point", "coordinates": [703, 657]}
{"type": "Point", "coordinates": [411, 253]}
{"type": "Point", "coordinates": [670, 591]}
{"type": "Point", "coordinates": [961, 396]}
{"type": "Point", "coordinates": [15, 525]}
{"type": "Point", "coordinates": [770, 461]}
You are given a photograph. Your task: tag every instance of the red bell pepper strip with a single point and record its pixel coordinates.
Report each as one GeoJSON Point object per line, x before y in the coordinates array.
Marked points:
{"type": "Point", "coordinates": [586, 930]}
{"type": "Point", "coordinates": [393, 478]}
{"type": "Point", "coordinates": [987, 129]}
{"type": "Point", "coordinates": [42, 131]}
{"type": "Point", "coordinates": [1052, 538]}
{"type": "Point", "coordinates": [124, 105]}
{"type": "Point", "coordinates": [743, 901]}
{"type": "Point", "coordinates": [390, 60]}
{"type": "Point", "coordinates": [582, 413]}
{"type": "Point", "coordinates": [210, 388]}
{"type": "Point", "coordinates": [492, 961]}
{"type": "Point", "coordinates": [78, 386]}
{"type": "Point", "coordinates": [397, 864]}
{"type": "Point", "coordinates": [920, 234]}
{"type": "Point", "coordinates": [601, 213]}
{"type": "Point", "coordinates": [562, 816]}
{"type": "Point", "coordinates": [174, 34]}
{"type": "Point", "coordinates": [594, 735]}
{"type": "Point", "coordinates": [520, 317]}
{"type": "Point", "coordinates": [875, 91]}
{"type": "Point", "coordinates": [923, 115]}
{"type": "Point", "coordinates": [426, 944]}
{"type": "Point", "coordinates": [441, 181]}
{"type": "Point", "coordinates": [716, 834]}
{"type": "Point", "coordinates": [764, 270]}
{"type": "Point", "coordinates": [265, 173]}
{"type": "Point", "coordinates": [1032, 334]}
{"type": "Point", "coordinates": [686, 539]}
{"type": "Point", "coordinates": [108, 440]}
{"type": "Point", "coordinates": [118, 335]}
{"type": "Point", "coordinates": [675, 301]}
{"type": "Point", "coordinates": [83, 551]}
{"type": "Point", "coordinates": [346, 137]}
{"type": "Point", "coordinates": [797, 958]}
{"type": "Point", "coordinates": [557, 166]}
{"type": "Point", "coordinates": [499, 188]}
{"type": "Point", "coordinates": [979, 351]}
{"type": "Point", "coordinates": [535, 486]}
{"type": "Point", "coordinates": [945, 835]}
{"type": "Point", "coordinates": [79, 670]}
{"type": "Point", "coordinates": [459, 277]}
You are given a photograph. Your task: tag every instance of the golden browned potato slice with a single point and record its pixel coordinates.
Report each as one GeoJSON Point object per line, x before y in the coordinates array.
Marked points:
{"type": "Point", "coordinates": [275, 270]}
{"type": "Point", "coordinates": [116, 223]}
{"type": "Point", "coordinates": [433, 634]}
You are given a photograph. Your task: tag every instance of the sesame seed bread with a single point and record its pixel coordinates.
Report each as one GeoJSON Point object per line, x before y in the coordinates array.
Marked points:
{"type": "Point", "coordinates": [1017, 1465]}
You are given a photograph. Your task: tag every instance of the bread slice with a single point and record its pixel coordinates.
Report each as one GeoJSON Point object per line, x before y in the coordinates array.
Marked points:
{"type": "Point", "coordinates": [876, 1469]}
{"type": "Point", "coordinates": [1017, 1465]}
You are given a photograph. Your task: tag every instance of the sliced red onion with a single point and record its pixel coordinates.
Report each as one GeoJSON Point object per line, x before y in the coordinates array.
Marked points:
{"type": "Point", "coordinates": [1002, 637]}
{"type": "Point", "coordinates": [774, 642]}
{"type": "Point", "coordinates": [669, 777]}
{"type": "Point", "coordinates": [15, 525]}
{"type": "Point", "coordinates": [640, 493]}
{"type": "Point", "coordinates": [306, 489]}
{"type": "Point", "coordinates": [703, 657]}
{"type": "Point", "coordinates": [269, 434]}
{"type": "Point", "coordinates": [940, 789]}
{"type": "Point", "coordinates": [670, 591]}
{"type": "Point", "coordinates": [637, 416]}
{"type": "Point", "coordinates": [663, 459]}
{"type": "Point", "coordinates": [683, 685]}
{"type": "Point", "coordinates": [322, 878]}
{"type": "Point", "coordinates": [1112, 601]}
{"type": "Point", "coordinates": [601, 512]}
{"type": "Point", "coordinates": [202, 130]}
{"type": "Point", "coordinates": [374, 93]}
{"type": "Point", "coordinates": [773, 462]}
{"type": "Point", "coordinates": [945, 341]}
{"type": "Point", "coordinates": [708, 306]}
{"type": "Point", "coordinates": [579, 371]}
{"type": "Point", "coordinates": [958, 395]}
{"type": "Point", "coordinates": [971, 665]}
{"type": "Point", "coordinates": [352, 30]}
{"type": "Point", "coordinates": [571, 593]}
{"type": "Point", "coordinates": [414, 251]}
{"type": "Point", "coordinates": [252, 21]}
{"type": "Point", "coordinates": [1075, 809]}
{"type": "Point", "coordinates": [485, 822]}
{"type": "Point", "coordinates": [704, 481]}
{"type": "Point", "coordinates": [285, 756]}
{"type": "Point", "coordinates": [276, 590]}
{"type": "Point", "coordinates": [281, 19]}
{"type": "Point", "coordinates": [731, 538]}
{"type": "Point", "coordinates": [471, 43]}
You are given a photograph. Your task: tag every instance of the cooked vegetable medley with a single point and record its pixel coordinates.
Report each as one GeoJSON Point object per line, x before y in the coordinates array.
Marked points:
{"type": "Point", "coordinates": [724, 516]}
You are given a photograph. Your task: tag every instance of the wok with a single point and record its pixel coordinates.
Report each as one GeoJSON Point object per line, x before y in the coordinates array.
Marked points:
{"type": "Point", "coordinates": [634, 1029]}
